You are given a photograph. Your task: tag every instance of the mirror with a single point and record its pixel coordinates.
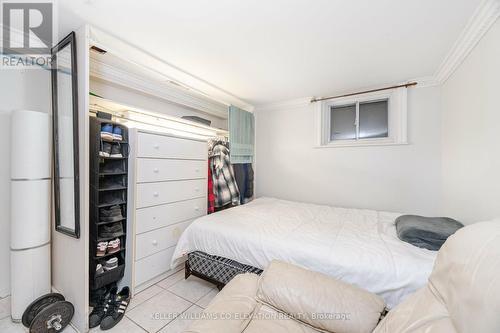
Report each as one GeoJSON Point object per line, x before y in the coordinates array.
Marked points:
{"type": "Point", "coordinates": [65, 137]}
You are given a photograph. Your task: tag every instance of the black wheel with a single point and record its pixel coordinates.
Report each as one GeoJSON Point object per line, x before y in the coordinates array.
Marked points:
{"type": "Point", "coordinates": [53, 318]}
{"type": "Point", "coordinates": [38, 305]}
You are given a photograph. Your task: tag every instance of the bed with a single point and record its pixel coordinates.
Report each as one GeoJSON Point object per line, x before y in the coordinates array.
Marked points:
{"type": "Point", "coordinates": [355, 245]}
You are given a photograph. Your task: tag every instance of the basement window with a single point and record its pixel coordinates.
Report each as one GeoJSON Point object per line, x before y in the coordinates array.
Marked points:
{"type": "Point", "coordinates": [363, 120]}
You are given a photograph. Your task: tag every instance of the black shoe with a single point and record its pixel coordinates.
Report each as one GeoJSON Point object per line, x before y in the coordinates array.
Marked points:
{"type": "Point", "coordinates": [111, 214]}
{"type": "Point", "coordinates": [111, 182]}
{"type": "Point", "coordinates": [111, 198]}
{"type": "Point", "coordinates": [111, 166]}
{"type": "Point", "coordinates": [106, 149]}
{"type": "Point", "coordinates": [108, 231]}
{"type": "Point", "coordinates": [116, 150]}
{"type": "Point", "coordinates": [116, 308]}
{"type": "Point", "coordinates": [95, 296]}
{"type": "Point", "coordinates": [100, 299]}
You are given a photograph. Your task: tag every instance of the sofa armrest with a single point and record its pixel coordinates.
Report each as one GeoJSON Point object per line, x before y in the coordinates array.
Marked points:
{"type": "Point", "coordinates": [319, 300]}
{"type": "Point", "coordinates": [230, 311]}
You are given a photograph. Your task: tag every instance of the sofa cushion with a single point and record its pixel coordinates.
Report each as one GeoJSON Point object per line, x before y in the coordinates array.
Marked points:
{"type": "Point", "coordinates": [230, 311]}
{"type": "Point", "coordinates": [463, 293]}
{"type": "Point", "coordinates": [267, 319]}
{"type": "Point", "coordinates": [318, 300]}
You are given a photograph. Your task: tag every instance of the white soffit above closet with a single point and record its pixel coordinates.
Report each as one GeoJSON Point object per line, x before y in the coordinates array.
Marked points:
{"type": "Point", "coordinates": [268, 51]}
{"type": "Point", "coordinates": [119, 71]}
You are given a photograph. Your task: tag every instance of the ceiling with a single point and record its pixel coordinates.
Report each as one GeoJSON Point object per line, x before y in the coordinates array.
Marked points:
{"type": "Point", "coordinates": [270, 51]}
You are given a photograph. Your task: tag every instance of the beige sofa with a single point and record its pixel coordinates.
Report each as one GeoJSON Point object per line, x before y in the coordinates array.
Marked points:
{"type": "Point", "coordinates": [463, 295]}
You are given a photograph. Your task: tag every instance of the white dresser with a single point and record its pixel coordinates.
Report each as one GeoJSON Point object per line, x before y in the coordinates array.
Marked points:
{"type": "Point", "coordinates": [168, 190]}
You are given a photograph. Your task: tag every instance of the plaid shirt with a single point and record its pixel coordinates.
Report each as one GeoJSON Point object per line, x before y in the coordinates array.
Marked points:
{"type": "Point", "coordinates": [224, 184]}
{"type": "Point", "coordinates": [210, 197]}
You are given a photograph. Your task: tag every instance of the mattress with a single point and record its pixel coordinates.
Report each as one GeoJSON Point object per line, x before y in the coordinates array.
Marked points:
{"type": "Point", "coordinates": [357, 246]}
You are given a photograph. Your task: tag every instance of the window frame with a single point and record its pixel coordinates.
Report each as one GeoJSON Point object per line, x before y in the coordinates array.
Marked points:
{"type": "Point", "coordinates": [397, 119]}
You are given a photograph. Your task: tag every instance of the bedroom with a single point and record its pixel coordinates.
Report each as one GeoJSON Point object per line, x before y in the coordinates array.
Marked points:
{"type": "Point", "coordinates": [345, 142]}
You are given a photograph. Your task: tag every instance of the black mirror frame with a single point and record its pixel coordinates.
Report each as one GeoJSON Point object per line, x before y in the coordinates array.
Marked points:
{"type": "Point", "coordinates": [71, 41]}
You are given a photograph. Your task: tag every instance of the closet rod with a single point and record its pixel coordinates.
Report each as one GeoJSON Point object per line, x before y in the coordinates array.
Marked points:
{"type": "Point", "coordinates": [406, 85]}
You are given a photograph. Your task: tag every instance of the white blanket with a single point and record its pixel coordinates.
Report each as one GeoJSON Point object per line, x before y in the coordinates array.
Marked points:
{"type": "Point", "coordinates": [357, 246]}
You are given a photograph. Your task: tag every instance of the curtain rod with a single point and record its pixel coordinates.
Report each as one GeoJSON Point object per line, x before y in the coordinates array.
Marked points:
{"type": "Point", "coordinates": [406, 85]}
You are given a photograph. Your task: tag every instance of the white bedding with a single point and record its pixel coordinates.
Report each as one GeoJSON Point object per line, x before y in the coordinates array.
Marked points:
{"type": "Point", "coordinates": [357, 246]}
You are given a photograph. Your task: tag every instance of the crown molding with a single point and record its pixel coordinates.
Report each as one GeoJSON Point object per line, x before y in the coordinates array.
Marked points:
{"type": "Point", "coordinates": [152, 63]}
{"type": "Point", "coordinates": [478, 25]}
{"type": "Point", "coordinates": [164, 90]}
{"type": "Point", "coordinates": [422, 82]}
{"type": "Point", "coordinates": [290, 104]}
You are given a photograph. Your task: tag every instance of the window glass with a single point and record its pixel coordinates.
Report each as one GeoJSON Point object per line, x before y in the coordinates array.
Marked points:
{"type": "Point", "coordinates": [343, 122]}
{"type": "Point", "coordinates": [373, 120]}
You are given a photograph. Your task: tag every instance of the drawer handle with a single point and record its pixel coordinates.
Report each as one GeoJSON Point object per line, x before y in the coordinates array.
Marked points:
{"type": "Point", "coordinates": [197, 170]}
{"type": "Point", "coordinates": [156, 194]}
{"type": "Point", "coordinates": [196, 208]}
{"type": "Point", "coordinates": [154, 217]}
{"type": "Point", "coordinates": [156, 170]}
{"type": "Point", "coordinates": [155, 242]}
{"type": "Point", "coordinates": [156, 146]}
{"type": "Point", "coordinates": [197, 189]}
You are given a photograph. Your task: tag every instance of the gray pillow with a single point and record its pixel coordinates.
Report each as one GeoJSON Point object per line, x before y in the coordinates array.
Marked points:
{"type": "Point", "coordinates": [426, 232]}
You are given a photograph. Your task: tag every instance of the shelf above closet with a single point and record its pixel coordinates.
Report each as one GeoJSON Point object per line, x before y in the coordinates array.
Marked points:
{"type": "Point", "coordinates": [154, 121]}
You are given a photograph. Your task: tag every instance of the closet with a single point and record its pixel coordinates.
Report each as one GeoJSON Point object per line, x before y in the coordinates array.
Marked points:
{"type": "Point", "coordinates": [165, 166]}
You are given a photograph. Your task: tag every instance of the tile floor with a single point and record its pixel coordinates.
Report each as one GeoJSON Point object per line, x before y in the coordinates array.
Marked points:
{"type": "Point", "coordinates": [152, 310]}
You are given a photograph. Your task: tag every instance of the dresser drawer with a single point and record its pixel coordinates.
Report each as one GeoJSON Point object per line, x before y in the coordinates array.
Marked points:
{"type": "Point", "coordinates": [157, 170]}
{"type": "Point", "coordinates": [154, 145]}
{"type": "Point", "coordinates": [157, 240]}
{"type": "Point", "coordinates": [151, 194]}
{"type": "Point", "coordinates": [152, 266]}
{"type": "Point", "coordinates": [147, 219]}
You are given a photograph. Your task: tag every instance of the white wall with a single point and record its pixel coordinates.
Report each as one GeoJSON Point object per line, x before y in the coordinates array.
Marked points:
{"type": "Point", "coordinates": [150, 103]}
{"type": "Point", "coordinates": [19, 89]}
{"type": "Point", "coordinates": [471, 129]}
{"type": "Point", "coordinates": [395, 178]}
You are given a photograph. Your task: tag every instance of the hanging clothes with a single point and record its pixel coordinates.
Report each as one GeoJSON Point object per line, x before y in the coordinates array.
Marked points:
{"type": "Point", "coordinates": [224, 183]}
{"type": "Point", "coordinates": [244, 178]}
{"type": "Point", "coordinates": [210, 196]}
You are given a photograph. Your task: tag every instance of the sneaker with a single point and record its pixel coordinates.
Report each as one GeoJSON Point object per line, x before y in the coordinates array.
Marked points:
{"type": "Point", "coordinates": [111, 198]}
{"type": "Point", "coordinates": [99, 269]}
{"type": "Point", "coordinates": [113, 230]}
{"type": "Point", "coordinates": [111, 264]}
{"type": "Point", "coordinates": [111, 214]}
{"type": "Point", "coordinates": [101, 249]}
{"type": "Point", "coordinates": [100, 298]}
{"type": "Point", "coordinates": [116, 308]}
{"type": "Point", "coordinates": [106, 149]}
{"type": "Point", "coordinates": [107, 132]}
{"type": "Point", "coordinates": [116, 150]}
{"type": "Point", "coordinates": [114, 246]}
{"type": "Point", "coordinates": [117, 133]}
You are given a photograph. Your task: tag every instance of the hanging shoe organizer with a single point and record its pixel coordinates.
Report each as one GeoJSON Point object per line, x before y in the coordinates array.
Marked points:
{"type": "Point", "coordinates": [108, 204]}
